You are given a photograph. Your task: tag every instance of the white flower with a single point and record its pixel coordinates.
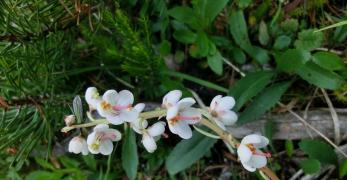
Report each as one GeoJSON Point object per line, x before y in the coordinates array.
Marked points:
{"type": "Point", "coordinates": [100, 140]}
{"type": "Point", "coordinates": [180, 113]}
{"type": "Point", "coordinates": [92, 97]}
{"type": "Point", "coordinates": [70, 120]}
{"type": "Point", "coordinates": [78, 145]}
{"type": "Point", "coordinates": [220, 111]}
{"type": "Point", "coordinates": [148, 134]}
{"type": "Point", "coordinates": [250, 156]}
{"type": "Point", "coordinates": [138, 124]}
{"type": "Point", "coordinates": [117, 107]}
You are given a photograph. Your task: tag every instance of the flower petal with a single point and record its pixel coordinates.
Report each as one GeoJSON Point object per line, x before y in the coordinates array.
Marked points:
{"type": "Point", "coordinates": [190, 115]}
{"type": "Point", "coordinates": [75, 145]}
{"type": "Point", "coordinates": [251, 139]}
{"type": "Point", "coordinates": [264, 142]}
{"type": "Point", "coordinates": [114, 119]}
{"type": "Point", "coordinates": [225, 103]}
{"type": "Point", "coordinates": [172, 112]}
{"type": "Point", "coordinates": [128, 116]}
{"type": "Point", "coordinates": [228, 117]}
{"type": "Point", "coordinates": [214, 101]}
{"type": "Point", "coordinates": [110, 96]}
{"type": "Point", "coordinates": [101, 127]}
{"type": "Point", "coordinates": [244, 153]}
{"type": "Point", "coordinates": [106, 147]}
{"type": "Point", "coordinates": [92, 96]}
{"type": "Point", "coordinates": [125, 98]}
{"type": "Point", "coordinates": [149, 143]}
{"type": "Point", "coordinates": [248, 167]}
{"type": "Point", "coordinates": [258, 141]}
{"type": "Point", "coordinates": [103, 111]}
{"type": "Point", "coordinates": [156, 129]}
{"type": "Point", "coordinates": [171, 98]}
{"type": "Point", "coordinates": [257, 161]}
{"type": "Point", "coordinates": [85, 150]}
{"type": "Point", "coordinates": [91, 138]}
{"type": "Point", "coordinates": [182, 129]}
{"type": "Point", "coordinates": [185, 103]}
{"type": "Point", "coordinates": [139, 107]}
{"type": "Point", "coordinates": [137, 127]}
{"type": "Point", "coordinates": [113, 134]}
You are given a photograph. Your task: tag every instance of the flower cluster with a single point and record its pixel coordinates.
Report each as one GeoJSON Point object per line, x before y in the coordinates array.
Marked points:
{"type": "Point", "coordinates": [116, 108]}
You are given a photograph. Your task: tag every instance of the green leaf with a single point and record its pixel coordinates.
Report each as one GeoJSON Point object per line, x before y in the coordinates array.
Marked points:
{"type": "Point", "coordinates": [130, 158]}
{"type": "Point", "coordinates": [187, 152]}
{"type": "Point", "coordinates": [215, 62]}
{"type": "Point", "coordinates": [291, 60]}
{"type": "Point", "coordinates": [310, 166]}
{"type": "Point", "coordinates": [43, 163]}
{"type": "Point", "coordinates": [290, 25]}
{"type": "Point", "coordinates": [179, 56]}
{"type": "Point", "coordinates": [185, 15]}
{"type": "Point", "coordinates": [343, 168]}
{"type": "Point", "coordinates": [43, 175]}
{"type": "Point", "coordinates": [328, 60]}
{"type": "Point", "coordinates": [263, 102]}
{"type": "Point", "coordinates": [282, 42]}
{"type": "Point", "coordinates": [202, 46]}
{"type": "Point", "coordinates": [196, 80]}
{"type": "Point", "coordinates": [309, 40]}
{"type": "Point", "coordinates": [213, 8]}
{"type": "Point", "coordinates": [259, 54]}
{"type": "Point", "coordinates": [320, 77]}
{"type": "Point", "coordinates": [263, 35]}
{"type": "Point", "coordinates": [243, 3]}
{"type": "Point", "coordinates": [249, 86]}
{"type": "Point", "coordinates": [90, 161]}
{"type": "Point", "coordinates": [238, 55]}
{"type": "Point", "coordinates": [185, 36]}
{"type": "Point", "coordinates": [165, 48]}
{"type": "Point", "coordinates": [289, 147]}
{"type": "Point", "coordinates": [317, 149]}
{"type": "Point", "coordinates": [238, 28]}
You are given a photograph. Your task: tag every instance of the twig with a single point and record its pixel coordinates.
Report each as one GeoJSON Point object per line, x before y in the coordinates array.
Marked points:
{"type": "Point", "coordinates": [315, 130]}
{"type": "Point", "coordinates": [234, 67]}
{"type": "Point", "coordinates": [330, 50]}
{"type": "Point", "coordinates": [297, 174]}
{"type": "Point", "coordinates": [334, 116]}
{"type": "Point", "coordinates": [306, 110]}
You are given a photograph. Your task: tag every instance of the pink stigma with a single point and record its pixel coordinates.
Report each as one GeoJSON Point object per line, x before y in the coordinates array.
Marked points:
{"type": "Point", "coordinates": [268, 155]}
{"type": "Point", "coordinates": [187, 118]}
{"type": "Point", "coordinates": [118, 108]}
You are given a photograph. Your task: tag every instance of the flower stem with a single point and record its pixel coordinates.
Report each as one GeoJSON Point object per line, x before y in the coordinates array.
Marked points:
{"type": "Point", "coordinates": [93, 123]}
{"type": "Point", "coordinates": [144, 115]}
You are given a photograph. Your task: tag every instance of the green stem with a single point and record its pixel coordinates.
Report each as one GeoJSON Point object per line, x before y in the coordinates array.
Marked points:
{"type": "Point", "coordinates": [93, 123]}
{"type": "Point", "coordinates": [144, 115]}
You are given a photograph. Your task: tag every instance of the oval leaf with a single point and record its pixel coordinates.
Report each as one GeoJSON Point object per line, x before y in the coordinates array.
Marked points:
{"type": "Point", "coordinates": [187, 152]}
{"type": "Point", "coordinates": [263, 102]}
{"type": "Point", "coordinates": [249, 86]}
{"type": "Point", "coordinates": [317, 149]}
{"type": "Point", "coordinates": [310, 166]}
{"type": "Point", "coordinates": [291, 60]}
{"type": "Point", "coordinates": [328, 60]}
{"type": "Point", "coordinates": [215, 62]}
{"type": "Point", "coordinates": [130, 158]}
{"type": "Point", "coordinates": [320, 77]}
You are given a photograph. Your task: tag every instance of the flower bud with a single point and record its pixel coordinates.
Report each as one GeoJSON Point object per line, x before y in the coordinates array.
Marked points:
{"type": "Point", "coordinates": [78, 145]}
{"type": "Point", "coordinates": [70, 120]}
